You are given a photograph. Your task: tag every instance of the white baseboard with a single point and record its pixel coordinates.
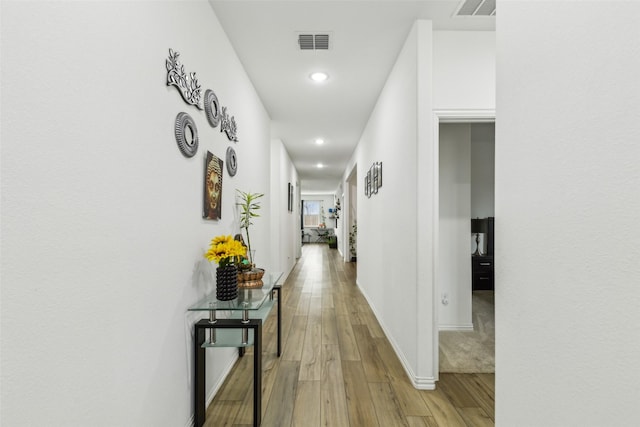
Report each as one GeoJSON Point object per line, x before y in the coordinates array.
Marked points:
{"type": "Point", "coordinates": [425, 383]}
{"type": "Point", "coordinates": [463, 328]}
{"type": "Point", "coordinates": [420, 383]}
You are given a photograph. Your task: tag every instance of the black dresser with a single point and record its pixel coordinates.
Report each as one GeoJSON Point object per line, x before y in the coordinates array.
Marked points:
{"type": "Point", "coordinates": [482, 272]}
{"type": "Point", "coordinates": [482, 265]}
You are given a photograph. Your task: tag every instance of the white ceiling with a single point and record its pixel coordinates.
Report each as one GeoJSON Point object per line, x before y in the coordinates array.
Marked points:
{"type": "Point", "coordinates": [366, 37]}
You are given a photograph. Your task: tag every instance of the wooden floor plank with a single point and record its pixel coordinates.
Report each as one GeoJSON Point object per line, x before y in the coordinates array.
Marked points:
{"type": "Point", "coordinates": [359, 403]}
{"type": "Point", "coordinates": [306, 412]}
{"type": "Point", "coordinates": [316, 290]}
{"type": "Point", "coordinates": [475, 417]}
{"type": "Point", "coordinates": [488, 380]}
{"type": "Point", "coordinates": [357, 317]}
{"type": "Point", "coordinates": [311, 360]}
{"type": "Point", "coordinates": [340, 305]}
{"type": "Point", "coordinates": [315, 309]}
{"type": "Point", "coordinates": [237, 390]}
{"type": "Point", "coordinates": [409, 398]}
{"type": "Point", "coordinates": [245, 413]}
{"type": "Point", "coordinates": [391, 361]}
{"type": "Point", "coordinates": [279, 411]}
{"type": "Point", "coordinates": [373, 365]}
{"type": "Point", "coordinates": [387, 406]}
{"type": "Point", "coordinates": [333, 407]}
{"type": "Point", "coordinates": [346, 339]}
{"type": "Point", "coordinates": [295, 339]}
{"type": "Point", "coordinates": [422, 422]}
{"type": "Point", "coordinates": [374, 327]}
{"type": "Point", "coordinates": [225, 411]}
{"type": "Point", "coordinates": [327, 299]}
{"type": "Point", "coordinates": [480, 392]}
{"type": "Point", "coordinates": [443, 410]}
{"type": "Point", "coordinates": [457, 394]}
{"type": "Point", "coordinates": [329, 326]}
{"type": "Point", "coordinates": [270, 371]}
{"type": "Point", "coordinates": [331, 364]}
{"type": "Point", "coordinates": [303, 304]}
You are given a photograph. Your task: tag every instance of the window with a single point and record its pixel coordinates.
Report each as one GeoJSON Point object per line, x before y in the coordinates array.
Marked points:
{"type": "Point", "coordinates": [311, 213]}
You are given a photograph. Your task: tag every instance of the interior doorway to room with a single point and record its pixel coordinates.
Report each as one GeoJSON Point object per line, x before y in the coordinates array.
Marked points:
{"type": "Point", "coordinates": [350, 203]}
{"type": "Point", "coordinates": [466, 318]}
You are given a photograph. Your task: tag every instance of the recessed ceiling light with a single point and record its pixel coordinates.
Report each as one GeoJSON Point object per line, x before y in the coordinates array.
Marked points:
{"type": "Point", "coordinates": [319, 77]}
{"type": "Point", "coordinates": [319, 141]}
{"type": "Point", "coordinates": [320, 165]}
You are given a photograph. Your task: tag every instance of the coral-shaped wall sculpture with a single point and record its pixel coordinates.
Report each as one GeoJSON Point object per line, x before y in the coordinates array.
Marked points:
{"type": "Point", "coordinates": [228, 125]}
{"type": "Point", "coordinates": [187, 84]}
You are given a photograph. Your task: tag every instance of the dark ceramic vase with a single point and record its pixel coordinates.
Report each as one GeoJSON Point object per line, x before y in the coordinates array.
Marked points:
{"type": "Point", "coordinates": [227, 282]}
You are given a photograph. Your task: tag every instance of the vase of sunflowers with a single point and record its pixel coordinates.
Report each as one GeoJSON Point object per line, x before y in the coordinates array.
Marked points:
{"type": "Point", "coordinates": [226, 251]}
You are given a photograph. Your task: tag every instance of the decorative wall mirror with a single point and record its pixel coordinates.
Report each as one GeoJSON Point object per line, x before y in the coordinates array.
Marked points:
{"type": "Point", "coordinates": [186, 134]}
{"type": "Point", "coordinates": [232, 161]}
{"type": "Point", "coordinates": [212, 108]}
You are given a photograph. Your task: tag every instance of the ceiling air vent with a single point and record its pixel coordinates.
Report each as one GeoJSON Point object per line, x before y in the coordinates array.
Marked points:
{"type": "Point", "coordinates": [313, 41]}
{"type": "Point", "coordinates": [476, 8]}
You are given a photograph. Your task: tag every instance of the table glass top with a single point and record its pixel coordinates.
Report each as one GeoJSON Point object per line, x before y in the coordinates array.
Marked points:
{"type": "Point", "coordinates": [248, 299]}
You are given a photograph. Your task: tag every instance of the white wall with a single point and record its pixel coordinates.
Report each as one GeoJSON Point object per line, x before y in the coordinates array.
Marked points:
{"type": "Point", "coordinates": [455, 213]}
{"type": "Point", "coordinates": [102, 234]}
{"type": "Point", "coordinates": [285, 224]}
{"type": "Point", "coordinates": [482, 170]}
{"type": "Point", "coordinates": [567, 180]}
{"type": "Point", "coordinates": [389, 219]}
{"type": "Point", "coordinates": [464, 70]}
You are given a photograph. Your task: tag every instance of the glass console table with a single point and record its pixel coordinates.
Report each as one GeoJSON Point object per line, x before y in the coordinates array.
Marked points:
{"type": "Point", "coordinates": [241, 328]}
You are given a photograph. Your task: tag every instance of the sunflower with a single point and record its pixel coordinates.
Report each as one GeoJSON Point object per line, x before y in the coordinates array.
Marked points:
{"type": "Point", "coordinates": [224, 250]}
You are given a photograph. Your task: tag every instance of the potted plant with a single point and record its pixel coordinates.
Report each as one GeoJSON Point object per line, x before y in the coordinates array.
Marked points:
{"type": "Point", "coordinates": [249, 207]}
{"type": "Point", "coordinates": [353, 240]}
{"type": "Point", "coordinates": [333, 242]}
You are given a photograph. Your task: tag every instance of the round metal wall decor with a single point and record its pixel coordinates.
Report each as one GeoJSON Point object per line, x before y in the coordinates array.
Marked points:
{"type": "Point", "coordinates": [212, 108]}
{"type": "Point", "coordinates": [232, 161]}
{"type": "Point", "coordinates": [186, 134]}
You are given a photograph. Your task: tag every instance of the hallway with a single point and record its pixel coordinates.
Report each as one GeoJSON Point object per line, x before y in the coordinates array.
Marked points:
{"type": "Point", "coordinates": [337, 368]}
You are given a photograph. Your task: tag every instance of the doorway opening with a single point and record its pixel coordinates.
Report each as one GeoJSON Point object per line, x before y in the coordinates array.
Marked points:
{"type": "Point", "coordinates": [350, 203]}
{"type": "Point", "coordinates": [464, 297]}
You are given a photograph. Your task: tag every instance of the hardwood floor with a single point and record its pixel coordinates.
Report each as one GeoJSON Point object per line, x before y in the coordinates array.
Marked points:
{"type": "Point", "coordinates": [337, 368]}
